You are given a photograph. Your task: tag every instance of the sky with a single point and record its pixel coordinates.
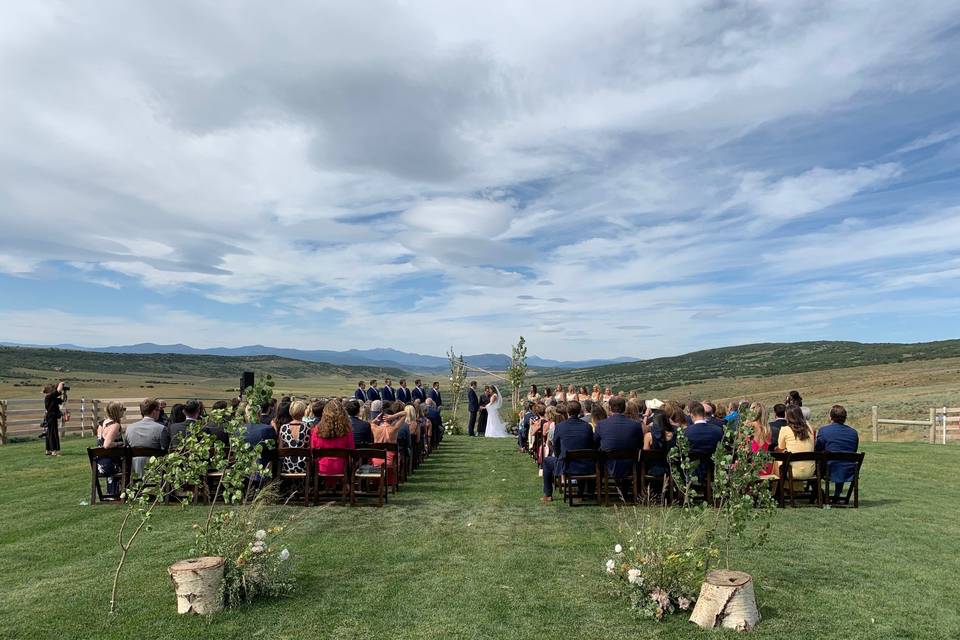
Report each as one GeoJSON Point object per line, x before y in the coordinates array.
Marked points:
{"type": "Point", "coordinates": [606, 179]}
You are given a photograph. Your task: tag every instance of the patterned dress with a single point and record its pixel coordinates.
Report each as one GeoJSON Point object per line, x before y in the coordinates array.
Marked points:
{"type": "Point", "coordinates": [288, 441]}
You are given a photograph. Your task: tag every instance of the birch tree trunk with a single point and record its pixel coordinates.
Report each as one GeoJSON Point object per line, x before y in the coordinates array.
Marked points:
{"type": "Point", "coordinates": [197, 583]}
{"type": "Point", "coordinates": [726, 600]}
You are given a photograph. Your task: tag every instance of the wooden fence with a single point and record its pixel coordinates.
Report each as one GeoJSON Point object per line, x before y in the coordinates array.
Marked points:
{"type": "Point", "coordinates": [942, 426]}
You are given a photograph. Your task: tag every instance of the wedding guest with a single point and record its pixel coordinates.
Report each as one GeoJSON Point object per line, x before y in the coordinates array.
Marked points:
{"type": "Point", "coordinates": [405, 433]}
{"type": "Point", "coordinates": [372, 393]}
{"type": "Point", "coordinates": [418, 392]}
{"type": "Point", "coordinates": [163, 419]}
{"type": "Point", "coordinates": [362, 434]}
{"type": "Point", "coordinates": [760, 441]}
{"type": "Point", "coordinates": [425, 426]}
{"type": "Point", "coordinates": [386, 393]}
{"type": "Point", "coordinates": [386, 428]}
{"type": "Point", "coordinates": [436, 423]}
{"type": "Point", "coordinates": [333, 431]}
{"type": "Point", "coordinates": [259, 432]}
{"type": "Point", "coordinates": [536, 422]}
{"type": "Point", "coordinates": [597, 415]}
{"type": "Point", "coordinates": [632, 410]}
{"type": "Point", "coordinates": [572, 433]}
{"type": "Point", "coordinates": [523, 432]}
{"type": "Point", "coordinates": [546, 428]}
{"type": "Point", "coordinates": [403, 393]}
{"type": "Point", "coordinates": [797, 437]}
{"type": "Point", "coordinates": [364, 414]}
{"type": "Point", "coordinates": [313, 414]}
{"type": "Point", "coordinates": [293, 435]}
{"type": "Point", "coordinates": [779, 421]}
{"type": "Point", "coordinates": [177, 414]}
{"type": "Point", "coordinates": [177, 431]}
{"type": "Point", "coordinates": [662, 439]}
{"type": "Point", "coordinates": [214, 427]}
{"type": "Point", "coordinates": [376, 408]}
{"type": "Point", "coordinates": [837, 437]}
{"type": "Point", "coordinates": [702, 436]}
{"type": "Point", "coordinates": [710, 408]}
{"type": "Point", "coordinates": [52, 399]}
{"type": "Point", "coordinates": [617, 431]}
{"type": "Point", "coordinates": [147, 432]}
{"type": "Point", "coordinates": [360, 393]}
{"type": "Point", "coordinates": [109, 437]}
{"type": "Point", "coordinates": [794, 399]}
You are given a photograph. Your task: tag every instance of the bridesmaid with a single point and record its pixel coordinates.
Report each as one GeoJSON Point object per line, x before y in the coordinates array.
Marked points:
{"type": "Point", "coordinates": [559, 395]}
{"type": "Point", "coordinates": [596, 396]}
{"type": "Point", "coordinates": [607, 394]}
{"type": "Point", "coordinates": [571, 393]}
{"type": "Point", "coordinates": [582, 395]}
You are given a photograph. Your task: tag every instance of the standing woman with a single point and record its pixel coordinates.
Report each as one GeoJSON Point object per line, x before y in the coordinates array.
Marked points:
{"type": "Point", "coordinates": [52, 399]}
{"type": "Point", "coordinates": [596, 396]}
{"type": "Point", "coordinates": [533, 395]}
{"type": "Point", "coordinates": [559, 395]}
{"type": "Point", "coordinates": [572, 393]}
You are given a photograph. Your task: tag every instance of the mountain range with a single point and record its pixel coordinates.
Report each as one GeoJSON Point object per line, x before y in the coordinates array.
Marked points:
{"type": "Point", "coordinates": [352, 357]}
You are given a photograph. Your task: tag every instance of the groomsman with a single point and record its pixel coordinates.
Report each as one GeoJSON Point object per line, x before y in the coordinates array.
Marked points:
{"type": "Point", "coordinates": [387, 394]}
{"type": "Point", "coordinates": [435, 395]}
{"type": "Point", "coordinates": [360, 394]}
{"type": "Point", "coordinates": [418, 393]}
{"type": "Point", "coordinates": [403, 394]}
{"type": "Point", "coordinates": [473, 406]}
{"type": "Point", "coordinates": [372, 393]}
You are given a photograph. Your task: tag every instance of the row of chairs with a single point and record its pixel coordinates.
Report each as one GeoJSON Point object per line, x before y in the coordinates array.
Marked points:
{"type": "Point", "coordinates": [640, 482]}
{"type": "Point", "coordinates": [366, 472]}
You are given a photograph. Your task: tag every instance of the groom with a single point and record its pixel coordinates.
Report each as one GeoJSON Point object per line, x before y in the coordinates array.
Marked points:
{"type": "Point", "coordinates": [473, 406]}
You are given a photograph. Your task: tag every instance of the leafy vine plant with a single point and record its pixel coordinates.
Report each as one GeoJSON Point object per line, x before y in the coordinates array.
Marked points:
{"type": "Point", "coordinates": [199, 463]}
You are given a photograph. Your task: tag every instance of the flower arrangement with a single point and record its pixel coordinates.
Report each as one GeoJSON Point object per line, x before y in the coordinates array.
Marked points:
{"type": "Point", "coordinates": [452, 427]}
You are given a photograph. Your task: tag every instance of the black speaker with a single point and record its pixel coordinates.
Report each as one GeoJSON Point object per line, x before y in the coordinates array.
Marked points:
{"type": "Point", "coordinates": [246, 380]}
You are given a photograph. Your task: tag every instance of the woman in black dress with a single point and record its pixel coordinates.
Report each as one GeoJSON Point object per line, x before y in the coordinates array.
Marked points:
{"type": "Point", "coordinates": [52, 399]}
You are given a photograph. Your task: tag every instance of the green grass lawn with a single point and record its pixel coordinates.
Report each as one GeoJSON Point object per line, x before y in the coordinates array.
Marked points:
{"type": "Point", "coordinates": [467, 551]}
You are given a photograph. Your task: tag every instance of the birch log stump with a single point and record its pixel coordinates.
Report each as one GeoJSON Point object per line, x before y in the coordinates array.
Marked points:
{"type": "Point", "coordinates": [726, 600]}
{"type": "Point", "coordinates": [197, 583]}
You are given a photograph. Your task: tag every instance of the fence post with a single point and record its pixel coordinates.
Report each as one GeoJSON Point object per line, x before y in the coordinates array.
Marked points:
{"type": "Point", "coordinates": [933, 426]}
{"type": "Point", "coordinates": [876, 430]}
{"type": "Point", "coordinates": [96, 416]}
{"type": "Point", "coordinates": [944, 425]}
{"type": "Point", "coordinates": [3, 422]}
{"type": "Point", "coordinates": [83, 414]}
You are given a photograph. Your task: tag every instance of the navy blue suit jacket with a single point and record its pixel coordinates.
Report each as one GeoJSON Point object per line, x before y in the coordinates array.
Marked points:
{"type": "Point", "coordinates": [435, 396]}
{"type": "Point", "coordinates": [569, 435]}
{"type": "Point", "coordinates": [362, 433]}
{"type": "Point", "coordinates": [417, 393]}
{"type": "Point", "coordinates": [838, 438]}
{"type": "Point", "coordinates": [260, 433]}
{"type": "Point", "coordinates": [618, 432]}
{"type": "Point", "coordinates": [387, 394]}
{"type": "Point", "coordinates": [473, 402]}
{"type": "Point", "coordinates": [703, 438]}
{"type": "Point", "coordinates": [372, 394]}
{"type": "Point", "coordinates": [403, 395]}
{"type": "Point", "coordinates": [775, 426]}
{"type": "Point", "coordinates": [358, 394]}
{"type": "Point", "coordinates": [434, 417]}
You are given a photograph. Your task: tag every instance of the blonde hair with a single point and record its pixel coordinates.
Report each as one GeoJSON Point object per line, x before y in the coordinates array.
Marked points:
{"type": "Point", "coordinates": [297, 409]}
{"type": "Point", "coordinates": [411, 412]}
{"type": "Point", "coordinates": [115, 411]}
{"type": "Point", "coordinates": [761, 430]}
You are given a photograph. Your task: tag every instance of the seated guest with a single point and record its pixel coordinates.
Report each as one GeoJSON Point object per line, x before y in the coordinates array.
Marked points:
{"type": "Point", "coordinates": [413, 423]}
{"type": "Point", "coordinates": [618, 432]}
{"type": "Point", "coordinates": [313, 414]}
{"type": "Point", "coordinates": [176, 414]}
{"type": "Point", "coordinates": [533, 427]}
{"type": "Point", "coordinates": [259, 432]}
{"type": "Point", "coordinates": [423, 424]}
{"type": "Point", "coordinates": [573, 433]}
{"type": "Point", "coordinates": [266, 411]}
{"type": "Point", "coordinates": [663, 438]}
{"type": "Point", "coordinates": [794, 399]}
{"type": "Point", "coordinates": [293, 435]}
{"type": "Point", "coordinates": [760, 430]}
{"type": "Point", "coordinates": [362, 434]}
{"type": "Point", "coordinates": [779, 421]}
{"type": "Point", "coordinates": [837, 437]}
{"type": "Point", "coordinates": [386, 429]}
{"type": "Point", "coordinates": [634, 409]}
{"type": "Point", "coordinates": [376, 408]}
{"type": "Point", "coordinates": [147, 433]}
{"type": "Point", "coordinates": [405, 433]}
{"type": "Point", "coordinates": [523, 432]}
{"type": "Point", "coordinates": [332, 431]}
{"type": "Point", "coordinates": [436, 423]}
{"type": "Point", "coordinates": [703, 438]}
{"type": "Point", "coordinates": [597, 414]}
{"type": "Point", "coordinates": [214, 427]}
{"type": "Point", "coordinates": [797, 437]}
{"type": "Point", "coordinates": [710, 409]}
{"type": "Point", "coordinates": [177, 431]}
{"type": "Point", "coordinates": [109, 437]}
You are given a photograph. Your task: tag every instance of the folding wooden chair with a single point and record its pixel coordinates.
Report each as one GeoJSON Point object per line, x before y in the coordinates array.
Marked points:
{"type": "Point", "coordinates": [632, 476]}
{"type": "Point", "coordinates": [854, 488]}
{"type": "Point", "coordinates": [787, 478]}
{"type": "Point", "coordinates": [303, 478]}
{"type": "Point", "coordinates": [393, 469]}
{"type": "Point", "coordinates": [652, 463]}
{"type": "Point", "coordinates": [366, 473]}
{"type": "Point", "coordinates": [704, 483]}
{"type": "Point", "coordinates": [121, 461]}
{"type": "Point", "coordinates": [570, 481]}
{"type": "Point", "coordinates": [343, 480]}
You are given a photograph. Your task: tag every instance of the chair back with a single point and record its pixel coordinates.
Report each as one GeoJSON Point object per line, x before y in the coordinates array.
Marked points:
{"type": "Point", "coordinates": [622, 454]}
{"type": "Point", "coordinates": [393, 447]}
{"type": "Point", "coordinates": [844, 456]}
{"type": "Point", "coordinates": [145, 452]}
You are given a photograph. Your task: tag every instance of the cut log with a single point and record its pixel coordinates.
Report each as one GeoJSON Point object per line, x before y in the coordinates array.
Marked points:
{"type": "Point", "coordinates": [726, 600]}
{"type": "Point", "coordinates": [198, 583]}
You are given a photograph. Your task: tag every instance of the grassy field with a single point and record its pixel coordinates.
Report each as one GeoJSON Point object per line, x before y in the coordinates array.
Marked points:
{"type": "Point", "coordinates": [467, 551]}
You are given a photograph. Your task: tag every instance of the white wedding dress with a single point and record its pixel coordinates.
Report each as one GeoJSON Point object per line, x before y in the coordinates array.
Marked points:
{"type": "Point", "coordinates": [495, 426]}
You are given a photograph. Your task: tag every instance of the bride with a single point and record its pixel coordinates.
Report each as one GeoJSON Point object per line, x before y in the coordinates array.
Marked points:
{"type": "Point", "coordinates": [495, 426]}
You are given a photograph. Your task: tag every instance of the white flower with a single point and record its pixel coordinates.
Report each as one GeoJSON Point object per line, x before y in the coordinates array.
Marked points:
{"type": "Point", "coordinates": [611, 565]}
{"type": "Point", "coordinates": [617, 549]}
{"type": "Point", "coordinates": [260, 534]}
{"type": "Point", "coordinates": [258, 547]}
{"type": "Point", "coordinates": [284, 555]}
{"type": "Point", "coordinates": [683, 602]}
{"type": "Point", "coordinates": [633, 577]}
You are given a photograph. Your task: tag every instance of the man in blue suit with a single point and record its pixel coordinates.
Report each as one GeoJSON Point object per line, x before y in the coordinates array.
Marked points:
{"type": "Point", "coordinates": [417, 393]}
{"type": "Point", "coordinates": [618, 432]}
{"type": "Point", "coordinates": [473, 406]}
{"type": "Point", "coordinates": [372, 393]}
{"type": "Point", "coordinates": [837, 437]}
{"type": "Point", "coordinates": [436, 423]}
{"type": "Point", "coordinates": [360, 393]}
{"type": "Point", "coordinates": [362, 433]}
{"type": "Point", "coordinates": [386, 393]}
{"type": "Point", "coordinates": [435, 395]}
{"type": "Point", "coordinates": [403, 393]}
{"type": "Point", "coordinates": [703, 437]}
{"type": "Point", "coordinates": [569, 435]}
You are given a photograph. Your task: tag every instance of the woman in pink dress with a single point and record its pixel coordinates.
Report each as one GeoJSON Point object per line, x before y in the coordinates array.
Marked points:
{"type": "Point", "coordinates": [761, 433]}
{"type": "Point", "coordinates": [332, 431]}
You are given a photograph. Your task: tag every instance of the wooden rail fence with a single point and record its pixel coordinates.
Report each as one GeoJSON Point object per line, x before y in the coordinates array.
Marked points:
{"type": "Point", "coordinates": [942, 426]}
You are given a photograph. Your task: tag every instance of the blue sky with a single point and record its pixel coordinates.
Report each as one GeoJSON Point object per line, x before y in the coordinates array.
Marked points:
{"type": "Point", "coordinates": [616, 179]}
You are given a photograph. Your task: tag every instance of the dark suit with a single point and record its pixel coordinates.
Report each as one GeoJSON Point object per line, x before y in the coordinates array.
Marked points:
{"type": "Point", "coordinates": [482, 417]}
{"type": "Point", "coordinates": [435, 423]}
{"type": "Point", "coordinates": [473, 407]}
{"type": "Point", "coordinates": [178, 430]}
{"type": "Point", "coordinates": [568, 435]}
{"type": "Point", "coordinates": [838, 438]}
{"type": "Point", "coordinates": [360, 395]}
{"type": "Point", "coordinates": [362, 433]}
{"type": "Point", "coordinates": [372, 394]}
{"type": "Point", "coordinates": [387, 394]}
{"type": "Point", "coordinates": [261, 434]}
{"type": "Point", "coordinates": [618, 432]}
{"type": "Point", "coordinates": [703, 438]}
{"type": "Point", "coordinates": [417, 393]}
{"type": "Point", "coordinates": [403, 395]}
{"type": "Point", "coordinates": [434, 394]}
{"type": "Point", "coordinates": [775, 427]}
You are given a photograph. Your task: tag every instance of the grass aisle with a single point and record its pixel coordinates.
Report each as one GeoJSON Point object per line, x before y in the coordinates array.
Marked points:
{"type": "Point", "coordinates": [467, 551]}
